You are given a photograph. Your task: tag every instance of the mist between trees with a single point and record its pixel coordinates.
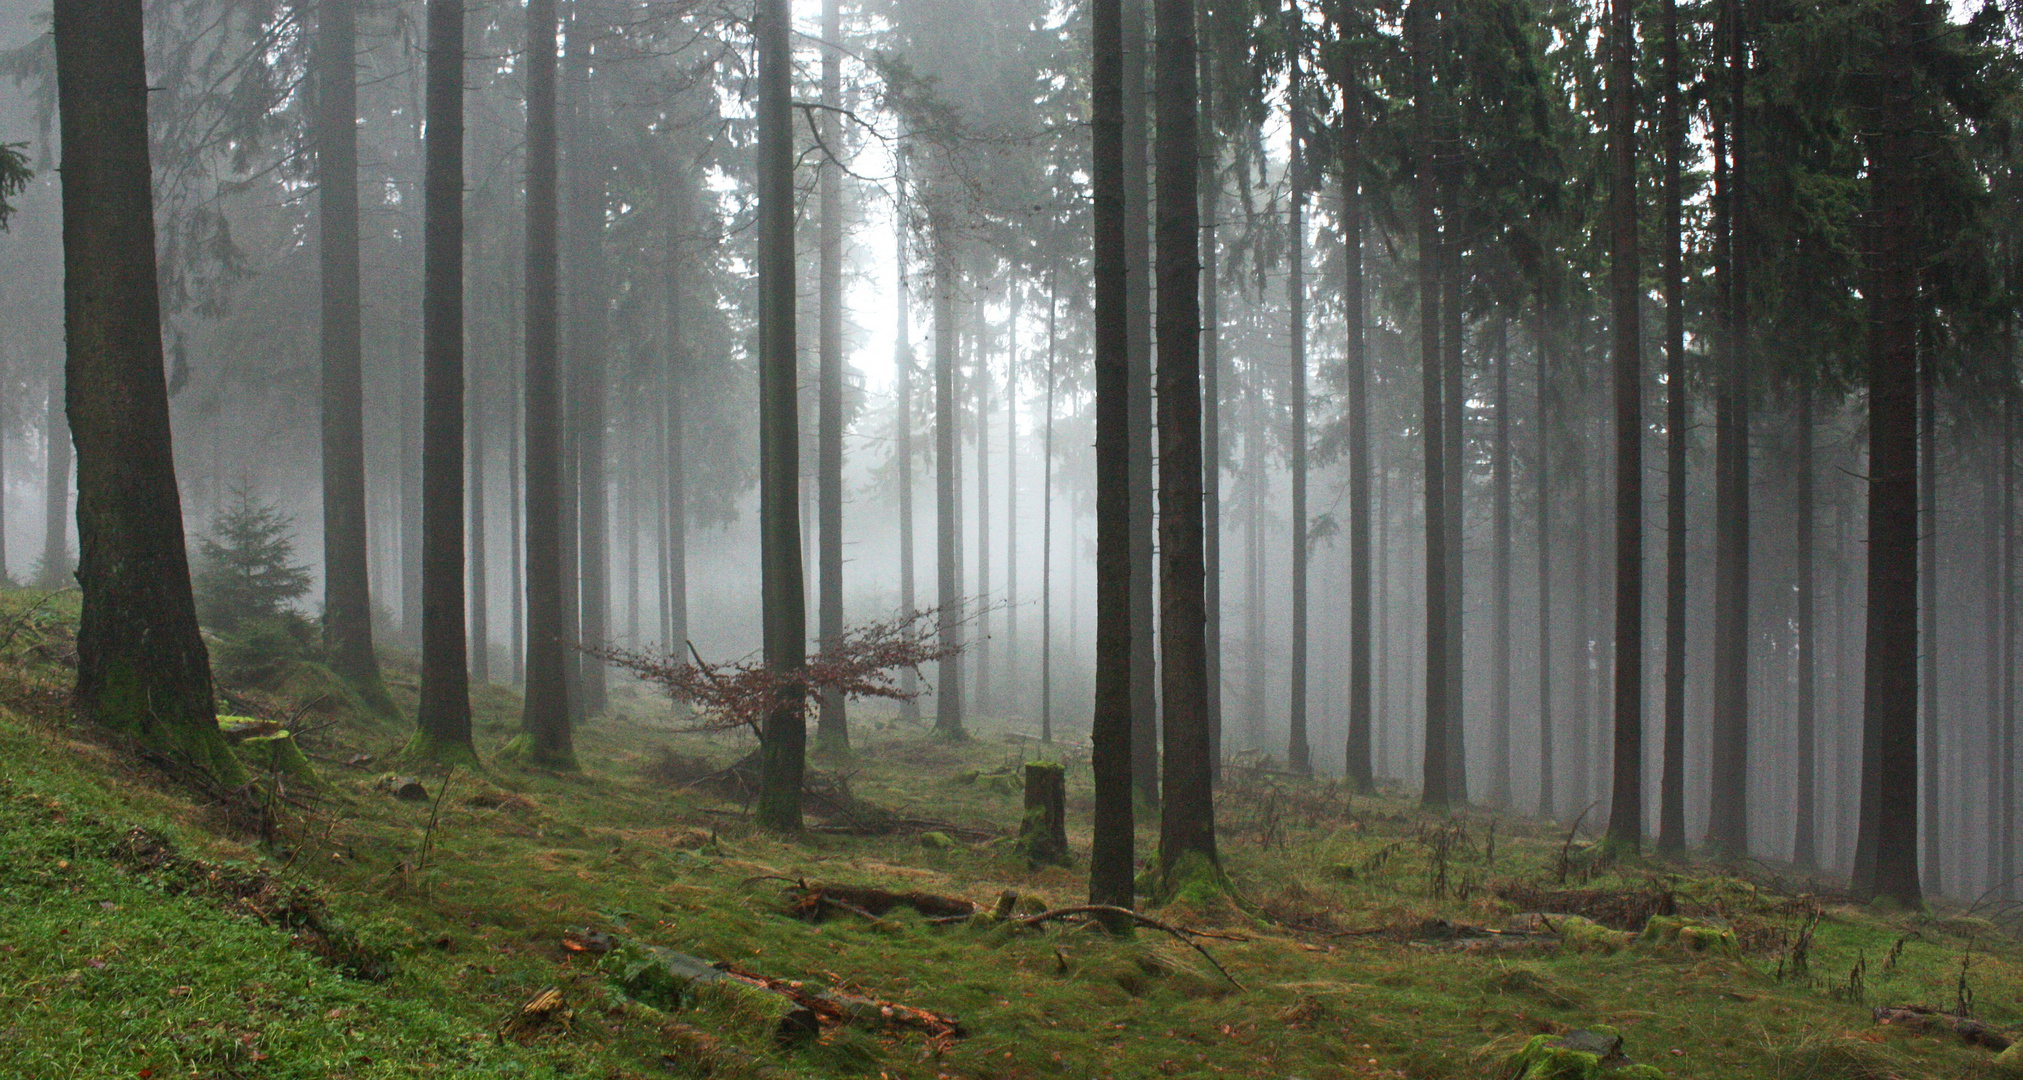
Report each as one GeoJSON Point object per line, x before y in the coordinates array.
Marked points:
{"type": "Point", "coordinates": [1607, 414]}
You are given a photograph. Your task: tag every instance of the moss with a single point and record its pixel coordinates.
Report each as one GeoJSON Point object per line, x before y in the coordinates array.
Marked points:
{"type": "Point", "coordinates": [278, 754]}
{"type": "Point", "coordinates": [2009, 1063]}
{"type": "Point", "coordinates": [1690, 934]}
{"type": "Point", "coordinates": [521, 750]}
{"type": "Point", "coordinates": [1194, 880]}
{"type": "Point", "coordinates": [426, 748]}
{"type": "Point", "coordinates": [1578, 1055]}
{"type": "Point", "coordinates": [671, 982]}
{"type": "Point", "coordinates": [1586, 935]}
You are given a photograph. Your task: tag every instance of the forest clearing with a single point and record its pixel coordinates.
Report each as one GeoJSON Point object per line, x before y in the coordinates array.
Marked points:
{"type": "Point", "coordinates": [367, 935]}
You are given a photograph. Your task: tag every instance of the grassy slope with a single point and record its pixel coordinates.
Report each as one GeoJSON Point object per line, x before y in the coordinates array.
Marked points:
{"type": "Point", "coordinates": [111, 970]}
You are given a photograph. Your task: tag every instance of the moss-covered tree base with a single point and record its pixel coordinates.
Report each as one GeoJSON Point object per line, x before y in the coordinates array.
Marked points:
{"type": "Point", "coordinates": [424, 748]}
{"type": "Point", "coordinates": [1194, 879]}
{"type": "Point", "coordinates": [522, 751]}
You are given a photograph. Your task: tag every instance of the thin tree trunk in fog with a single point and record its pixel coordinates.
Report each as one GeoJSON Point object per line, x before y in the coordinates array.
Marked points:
{"type": "Point", "coordinates": [2001, 725]}
{"type": "Point", "coordinates": [481, 610]}
{"type": "Point", "coordinates": [1886, 851]}
{"type": "Point", "coordinates": [902, 449]}
{"type": "Point", "coordinates": [1626, 786]}
{"type": "Point", "coordinates": [1255, 490]}
{"type": "Point", "coordinates": [587, 339]}
{"type": "Point", "coordinates": [676, 558]}
{"type": "Point", "coordinates": [1211, 407]}
{"type": "Point", "coordinates": [785, 735]}
{"type": "Point", "coordinates": [1435, 792]}
{"type": "Point", "coordinates": [1499, 482]}
{"type": "Point", "coordinates": [1298, 754]}
{"type": "Point", "coordinates": [1380, 723]}
{"type": "Point", "coordinates": [142, 669]}
{"type": "Point", "coordinates": [347, 596]}
{"type": "Point", "coordinates": [443, 717]}
{"type": "Point", "coordinates": [1805, 845]}
{"type": "Point", "coordinates": [1187, 814]}
{"type": "Point", "coordinates": [1011, 499]}
{"type": "Point", "coordinates": [544, 716]}
{"type": "Point", "coordinates": [1111, 859]}
{"type": "Point", "coordinates": [411, 503]}
{"type": "Point", "coordinates": [1360, 772]}
{"type": "Point", "coordinates": [1580, 763]}
{"type": "Point", "coordinates": [832, 726]}
{"type": "Point", "coordinates": [516, 647]}
{"type": "Point", "coordinates": [1671, 131]}
{"type": "Point", "coordinates": [1047, 528]}
{"type": "Point", "coordinates": [948, 681]}
{"type": "Point", "coordinates": [1547, 779]}
{"type": "Point", "coordinates": [1928, 614]}
{"type": "Point", "coordinates": [1138, 295]}
{"type": "Point", "coordinates": [980, 694]}
{"type": "Point", "coordinates": [635, 462]}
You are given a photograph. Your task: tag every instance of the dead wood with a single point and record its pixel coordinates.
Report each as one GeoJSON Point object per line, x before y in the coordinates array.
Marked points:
{"type": "Point", "coordinates": [1111, 911]}
{"type": "Point", "coordinates": [811, 901]}
{"type": "Point", "coordinates": [543, 1011]}
{"type": "Point", "coordinates": [837, 1006]}
{"type": "Point", "coordinates": [1924, 1018]}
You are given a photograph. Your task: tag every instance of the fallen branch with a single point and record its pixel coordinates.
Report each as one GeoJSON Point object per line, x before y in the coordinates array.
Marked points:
{"type": "Point", "coordinates": [1113, 911]}
{"type": "Point", "coordinates": [843, 1007]}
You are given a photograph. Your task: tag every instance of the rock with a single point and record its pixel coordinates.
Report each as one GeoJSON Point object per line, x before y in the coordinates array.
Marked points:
{"type": "Point", "coordinates": [1593, 1054]}
{"type": "Point", "coordinates": [1691, 934]}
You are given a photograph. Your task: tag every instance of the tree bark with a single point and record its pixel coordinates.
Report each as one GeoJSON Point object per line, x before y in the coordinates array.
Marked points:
{"type": "Point", "coordinates": [1298, 751]}
{"type": "Point", "coordinates": [785, 734]}
{"type": "Point", "coordinates": [1547, 778]}
{"type": "Point", "coordinates": [832, 726]}
{"type": "Point", "coordinates": [480, 572]}
{"type": "Point", "coordinates": [1626, 803]}
{"type": "Point", "coordinates": [1671, 125]}
{"type": "Point", "coordinates": [1047, 526]}
{"type": "Point", "coordinates": [1138, 282]}
{"type": "Point", "coordinates": [1928, 614]}
{"type": "Point", "coordinates": [587, 339]}
{"type": "Point", "coordinates": [1886, 852]}
{"type": "Point", "coordinates": [947, 482]}
{"type": "Point", "coordinates": [1211, 407]}
{"type": "Point", "coordinates": [1111, 859]}
{"type": "Point", "coordinates": [443, 717]}
{"type": "Point", "coordinates": [1436, 774]}
{"type": "Point", "coordinates": [142, 669]}
{"type": "Point", "coordinates": [1187, 814]}
{"type": "Point", "coordinates": [1360, 772]}
{"type": "Point", "coordinates": [548, 739]}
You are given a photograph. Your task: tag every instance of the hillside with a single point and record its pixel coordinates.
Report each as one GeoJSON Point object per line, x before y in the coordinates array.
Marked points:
{"type": "Point", "coordinates": [364, 935]}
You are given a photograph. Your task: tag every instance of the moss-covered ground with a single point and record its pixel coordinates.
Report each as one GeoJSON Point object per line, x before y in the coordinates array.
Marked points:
{"type": "Point", "coordinates": [143, 934]}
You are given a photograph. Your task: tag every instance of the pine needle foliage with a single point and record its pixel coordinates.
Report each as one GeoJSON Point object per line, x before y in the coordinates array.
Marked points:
{"type": "Point", "coordinates": [246, 567]}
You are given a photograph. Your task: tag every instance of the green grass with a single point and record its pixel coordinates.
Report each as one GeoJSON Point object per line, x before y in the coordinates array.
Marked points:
{"type": "Point", "coordinates": [113, 968]}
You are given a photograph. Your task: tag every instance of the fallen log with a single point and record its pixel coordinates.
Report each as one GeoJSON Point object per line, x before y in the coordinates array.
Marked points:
{"type": "Point", "coordinates": [836, 1006]}
{"type": "Point", "coordinates": [810, 902]}
{"type": "Point", "coordinates": [1924, 1018]}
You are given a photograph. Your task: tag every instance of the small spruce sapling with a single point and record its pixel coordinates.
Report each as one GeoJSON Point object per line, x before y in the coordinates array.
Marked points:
{"type": "Point", "coordinates": [247, 583]}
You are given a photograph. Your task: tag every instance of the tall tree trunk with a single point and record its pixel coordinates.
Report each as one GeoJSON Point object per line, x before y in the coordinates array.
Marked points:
{"type": "Point", "coordinates": [587, 338]}
{"type": "Point", "coordinates": [1886, 853]}
{"type": "Point", "coordinates": [1047, 526]}
{"type": "Point", "coordinates": [142, 669]}
{"type": "Point", "coordinates": [548, 739]}
{"type": "Point", "coordinates": [1728, 764]}
{"type": "Point", "coordinates": [1626, 803]}
{"type": "Point", "coordinates": [832, 727]}
{"type": "Point", "coordinates": [947, 482]}
{"type": "Point", "coordinates": [56, 433]}
{"type": "Point", "coordinates": [1805, 844]}
{"type": "Point", "coordinates": [1547, 777]}
{"type": "Point", "coordinates": [480, 587]}
{"type": "Point", "coordinates": [1499, 482]}
{"type": "Point", "coordinates": [1671, 130]}
{"type": "Point", "coordinates": [1435, 791]}
{"type": "Point", "coordinates": [902, 452]}
{"type": "Point", "coordinates": [1014, 700]}
{"type": "Point", "coordinates": [1255, 489]}
{"type": "Point", "coordinates": [1111, 729]}
{"type": "Point", "coordinates": [785, 734]}
{"type": "Point", "coordinates": [443, 717]}
{"type": "Point", "coordinates": [409, 521]}
{"type": "Point", "coordinates": [1211, 407]}
{"type": "Point", "coordinates": [2002, 727]}
{"type": "Point", "coordinates": [1361, 774]}
{"type": "Point", "coordinates": [347, 598]}
{"type": "Point", "coordinates": [1928, 613]}
{"type": "Point", "coordinates": [517, 646]}
{"type": "Point", "coordinates": [1187, 814]}
{"type": "Point", "coordinates": [980, 693]}
{"type": "Point", "coordinates": [676, 557]}
{"type": "Point", "coordinates": [1138, 295]}
{"type": "Point", "coordinates": [1452, 402]}
{"type": "Point", "coordinates": [1298, 753]}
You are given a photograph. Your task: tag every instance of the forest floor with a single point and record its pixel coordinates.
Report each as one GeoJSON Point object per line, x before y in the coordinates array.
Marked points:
{"type": "Point", "coordinates": [145, 935]}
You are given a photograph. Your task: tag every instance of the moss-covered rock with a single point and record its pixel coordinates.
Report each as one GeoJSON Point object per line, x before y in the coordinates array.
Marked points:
{"type": "Point", "coordinates": [1690, 934]}
{"type": "Point", "coordinates": [1595, 1054]}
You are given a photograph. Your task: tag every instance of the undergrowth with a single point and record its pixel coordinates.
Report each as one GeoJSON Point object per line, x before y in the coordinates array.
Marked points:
{"type": "Point", "coordinates": [367, 936]}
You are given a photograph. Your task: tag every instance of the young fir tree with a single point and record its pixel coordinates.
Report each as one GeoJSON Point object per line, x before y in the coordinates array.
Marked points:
{"type": "Point", "coordinates": [246, 569]}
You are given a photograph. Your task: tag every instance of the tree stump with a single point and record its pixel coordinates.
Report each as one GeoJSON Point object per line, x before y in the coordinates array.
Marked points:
{"type": "Point", "coordinates": [1043, 835]}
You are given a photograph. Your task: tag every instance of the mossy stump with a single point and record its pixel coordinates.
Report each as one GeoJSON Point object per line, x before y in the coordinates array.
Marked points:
{"type": "Point", "coordinates": [269, 749]}
{"type": "Point", "coordinates": [1690, 934]}
{"type": "Point", "coordinates": [1595, 1054]}
{"type": "Point", "coordinates": [1043, 834]}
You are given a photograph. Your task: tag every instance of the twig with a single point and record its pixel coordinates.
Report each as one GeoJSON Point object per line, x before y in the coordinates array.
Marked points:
{"type": "Point", "coordinates": [1142, 920]}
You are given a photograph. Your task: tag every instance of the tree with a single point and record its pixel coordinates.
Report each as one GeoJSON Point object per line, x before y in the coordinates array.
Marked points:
{"type": "Point", "coordinates": [1434, 791]}
{"type": "Point", "coordinates": [443, 717]}
{"type": "Point", "coordinates": [1111, 859]}
{"type": "Point", "coordinates": [1187, 810]}
{"type": "Point", "coordinates": [246, 569]}
{"type": "Point", "coordinates": [902, 441]}
{"type": "Point", "coordinates": [1138, 294]}
{"type": "Point", "coordinates": [547, 738]}
{"type": "Point", "coordinates": [1626, 804]}
{"type": "Point", "coordinates": [832, 732]}
{"type": "Point", "coordinates": [1672, 271]}
{"type": "Point", "coordinates": [1361, 775]}
{"type": "Point", "coordinates": [1886, 854]}
{"type": "Point", "coordinates": [347, 599]}
{"type": "Point", "coordinates": [947, 547]}
{"type": "Point", "coordinates": [142, 669]}
{"type": "Point", "coordinates": [784, 613]}
{"type": "Point", "coordinates": [1298, 752]}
